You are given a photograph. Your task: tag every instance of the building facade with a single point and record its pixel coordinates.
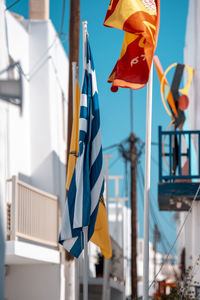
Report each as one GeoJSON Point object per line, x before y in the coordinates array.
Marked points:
{"type": "Point", "coordinates": [189, 241]}
{"type": "Point", "coordinates": [32, 157]}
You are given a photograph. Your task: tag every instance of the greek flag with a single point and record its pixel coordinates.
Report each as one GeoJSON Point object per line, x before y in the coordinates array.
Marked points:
{"type": "Point", "coordinates": [86, 187]}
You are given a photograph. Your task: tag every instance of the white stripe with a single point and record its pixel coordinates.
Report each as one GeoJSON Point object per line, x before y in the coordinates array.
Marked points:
{"type": "Point", "coordinates": [83, 101]}
{"type": "Point", "coordinates": [83, 124]}
{"type": "Point", "coordinates": [68, 244]}
{"type": "Point", "coordinates": [95, 193]}
{"type": "Point", "coordinates": [96, 147]}
{"type": "Point", "coordinates": [78, 209]}
{"type": "Point", "coordinates": [94, 83]}
{"type": "Point", "coordinates": [89, 69]}
{"type": "Point", "coordinates": [66, 232]}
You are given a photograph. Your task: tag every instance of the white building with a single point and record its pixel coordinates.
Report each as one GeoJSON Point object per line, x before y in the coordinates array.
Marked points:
{"type": "Point", "coordinates": [189, 239]}
{"type": "Point", "coordinates": [32, 157]}
{"type": "Point", "coordinates": [120, 230]}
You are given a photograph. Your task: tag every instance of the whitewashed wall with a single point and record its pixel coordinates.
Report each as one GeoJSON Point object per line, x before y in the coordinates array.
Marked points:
{"type": "Point", "coordinates": [33, 146]}
{"type": "Point", "coordinates": [36, 144]}
{"type": "Point", "coordinates": [19, 123]}
{"type": "Point", "coordinates": [32, 282]}
{"type": "Point", "coordinates": [49, 79]}
{"type": "Point", "coordinates": [3, 146]}
{"type": "Point", "coordinates": [189, 238]}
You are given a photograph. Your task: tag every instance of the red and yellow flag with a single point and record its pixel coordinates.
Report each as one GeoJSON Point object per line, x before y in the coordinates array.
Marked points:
{"type": "Point", "coordinates": [140, 21]}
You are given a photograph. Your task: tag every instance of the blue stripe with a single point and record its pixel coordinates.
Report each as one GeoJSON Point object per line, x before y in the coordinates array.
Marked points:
{"type": "Point", "coordinates": [87, 85]}
{"type": "Point", "coordinates": [83, 112]}
{"type": "Point", "coordinates": [71, 204]}
{"type": "Point", "coordinates": [95, 102]}
{"type": "Point", "coordinates": [82, 135]}
{"type": "Point", "coordinates": [84, 87]}
{"type": "Point", "coordinates": [71, 197]}
{"type": "Point", "coordinates": [95, 126]}
{"type": "Point", "coordinates": [96, 169]}
{"type": "Point", "coordinates": [96, 119]}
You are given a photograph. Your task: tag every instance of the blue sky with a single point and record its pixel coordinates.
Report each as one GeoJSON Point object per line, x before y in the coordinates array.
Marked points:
{"type": "Point", "coordinates": [115, 107]}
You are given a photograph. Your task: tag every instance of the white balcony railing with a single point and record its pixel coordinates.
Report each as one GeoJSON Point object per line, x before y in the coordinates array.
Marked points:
{"type": "Point", "coordinates": [32, 214]}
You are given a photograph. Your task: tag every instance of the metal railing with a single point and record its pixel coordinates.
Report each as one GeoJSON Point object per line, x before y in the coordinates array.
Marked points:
{"type": "Point", "coordinates": [171, 148]}
{"type": "Point", "coordinates": [32, 214]}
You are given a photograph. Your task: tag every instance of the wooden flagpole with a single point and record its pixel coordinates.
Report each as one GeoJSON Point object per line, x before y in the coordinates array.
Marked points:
{"type": "Point", "coordinates": [74, 30]}
{"type": "Point", "coordinates": [147, 187]}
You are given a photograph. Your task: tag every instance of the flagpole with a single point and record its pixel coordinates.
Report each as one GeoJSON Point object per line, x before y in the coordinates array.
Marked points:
{"type": "Point", "coordinates": [85, 229]}
{"type": "Point", "coordinates": [147, 187]}
{"type": "Point", "coordinates": [76, 261]}
{"type": "Point", "coordinates": [84, 27]}
{"type": "Point", "coordinates": [85, 266]}
{"type": "Point", "coordinates": [106, 264]}
{"type": "Point", "coordinates": [74, 77]}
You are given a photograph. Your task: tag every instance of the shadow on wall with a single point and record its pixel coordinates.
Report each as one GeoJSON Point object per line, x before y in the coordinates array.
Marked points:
{"type": "Point", "coordinates": [49, 176]}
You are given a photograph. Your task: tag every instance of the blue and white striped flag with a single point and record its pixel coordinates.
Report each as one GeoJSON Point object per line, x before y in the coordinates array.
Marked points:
{"type": "Point", "coordinates": [87, 182]}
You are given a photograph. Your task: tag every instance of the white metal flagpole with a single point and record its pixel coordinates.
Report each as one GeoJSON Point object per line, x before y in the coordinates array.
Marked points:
{"type": "Point", "coordinates": [85, 229]}
{"type": "Point", "coordinates": [84, 27]}
{"type": "Point", "coordinates": [147, 187]}
{"type": "Point", "coordinates": [106, 266]}
{"type": "Point", "coordinates": [85, 266]}
{"type": "Point", "coordinates": [76, 282]}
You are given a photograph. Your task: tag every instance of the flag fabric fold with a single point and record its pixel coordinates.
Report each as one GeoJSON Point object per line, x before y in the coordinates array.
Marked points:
{"type": "Point", "coordinates": [85, 179]}
{"type": "Point", "coordinates": [140, 21]}
{"type": "Point", "coordinates": [73, 153]}
{"type": "Point", "coordinates": [101, 235]}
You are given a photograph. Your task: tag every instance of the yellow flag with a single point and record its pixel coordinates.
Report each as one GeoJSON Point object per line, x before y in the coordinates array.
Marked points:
{"type": "Point", "coordinates": [101, 235]}
{"type": "Point", "coordinates": [74, 138]}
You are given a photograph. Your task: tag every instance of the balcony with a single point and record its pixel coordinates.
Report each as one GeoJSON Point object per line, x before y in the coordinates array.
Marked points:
{"type": "Point", "coordinates": [179, 169]}
{"type": "Point", "coordinates": [32, 224]}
